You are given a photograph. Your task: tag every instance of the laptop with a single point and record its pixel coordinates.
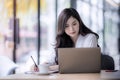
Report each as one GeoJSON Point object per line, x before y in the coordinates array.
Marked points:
{"type": "Point", "coordinates": [79, 60]}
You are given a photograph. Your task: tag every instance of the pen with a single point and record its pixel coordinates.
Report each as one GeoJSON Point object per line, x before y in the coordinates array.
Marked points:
{"type": "Point", "coordinates": [34, 62]}
{"type": "Point", "coordinates": [111, 70]}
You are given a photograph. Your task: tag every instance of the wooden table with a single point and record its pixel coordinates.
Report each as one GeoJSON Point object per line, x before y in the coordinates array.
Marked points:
{"type": "Point", "coordinates": [56, 76]}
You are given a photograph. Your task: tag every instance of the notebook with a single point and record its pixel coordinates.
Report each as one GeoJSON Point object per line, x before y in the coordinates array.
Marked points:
{"type": "Point", "coordinates": [79, 60]}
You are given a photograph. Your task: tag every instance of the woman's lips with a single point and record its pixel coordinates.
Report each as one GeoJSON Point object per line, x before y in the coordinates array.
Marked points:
{"type": "Point", "coordinates": [72, 33]}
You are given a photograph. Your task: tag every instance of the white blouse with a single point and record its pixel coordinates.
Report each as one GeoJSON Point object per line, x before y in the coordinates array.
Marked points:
{"type": "Point", "coordinates": [88, 40]}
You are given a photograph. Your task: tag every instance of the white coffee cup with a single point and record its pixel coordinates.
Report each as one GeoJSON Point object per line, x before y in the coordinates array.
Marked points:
{"type": "Point", "coordinates": [43, 68]}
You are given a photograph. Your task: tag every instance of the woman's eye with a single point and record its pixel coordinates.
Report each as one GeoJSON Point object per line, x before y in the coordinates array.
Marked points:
{"type": "Point", "coordinates": [74, 24]}
{"type": "Point", "coordinates": [66, 26]}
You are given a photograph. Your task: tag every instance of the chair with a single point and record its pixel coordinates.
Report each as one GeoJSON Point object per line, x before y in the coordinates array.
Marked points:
{"type": "Point", "coordinates": [107, 62]}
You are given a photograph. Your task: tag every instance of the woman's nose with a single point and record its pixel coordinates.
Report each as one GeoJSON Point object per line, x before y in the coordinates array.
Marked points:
{"type": "Point", "coordinates": [71, 28]}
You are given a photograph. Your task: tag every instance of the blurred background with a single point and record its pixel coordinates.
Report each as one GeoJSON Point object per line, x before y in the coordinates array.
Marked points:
{"type": "Point", "coordinates": [28, 27]}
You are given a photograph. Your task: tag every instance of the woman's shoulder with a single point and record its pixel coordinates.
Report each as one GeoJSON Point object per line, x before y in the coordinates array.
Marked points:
{"type": "Point", "coordinates": [90, 35]}
{"type": "Point", "coordinates": [86, 37]}
{"type": "Point", "coordinates": [88, 40]}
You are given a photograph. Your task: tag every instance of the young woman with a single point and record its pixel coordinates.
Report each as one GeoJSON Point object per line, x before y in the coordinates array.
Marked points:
{"type": "Point", "coordinates": [72, 32]}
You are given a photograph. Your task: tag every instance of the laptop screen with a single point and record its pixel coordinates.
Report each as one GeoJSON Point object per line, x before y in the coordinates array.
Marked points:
{"type": "Point", "coordinates": [79, 60]}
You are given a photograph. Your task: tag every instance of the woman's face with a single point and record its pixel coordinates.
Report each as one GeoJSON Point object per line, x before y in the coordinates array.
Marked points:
{"type": "Point", "coordinates": [72, 27]}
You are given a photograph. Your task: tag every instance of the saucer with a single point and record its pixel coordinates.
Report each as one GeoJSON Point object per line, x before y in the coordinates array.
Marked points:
{"type": "Point", "coordinates": [38, 73]}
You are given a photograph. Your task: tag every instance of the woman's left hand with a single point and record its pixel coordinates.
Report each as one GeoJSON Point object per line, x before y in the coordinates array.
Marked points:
{"type": "Point", "coordinates": [54, 67]}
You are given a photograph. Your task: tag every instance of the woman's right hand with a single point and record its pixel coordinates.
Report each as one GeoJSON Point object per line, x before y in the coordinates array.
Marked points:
{"type": "Point", "coordinates": [34, 68]}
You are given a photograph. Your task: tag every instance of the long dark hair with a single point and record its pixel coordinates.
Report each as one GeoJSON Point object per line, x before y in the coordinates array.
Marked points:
{"type": "Point", "coordinates": [62, 39]}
